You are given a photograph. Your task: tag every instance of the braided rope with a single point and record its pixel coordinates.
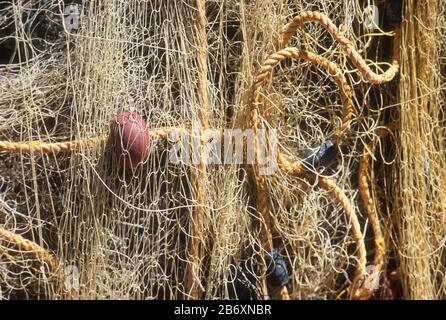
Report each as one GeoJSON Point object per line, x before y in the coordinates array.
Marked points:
{"type": "Point", "coordinates": [372, 213]}
{"type": "Point", "coordinates": [294, 166]}
{"type": "Point", "coordinates": [370, 208]}
{"type": "Point", "coordinates": [336, 192]}
{"type": "Point", "coordinates": [55, 147]}
{"type": "Point", "coordinates": [331, 68]}
{"type": "Point", "coordinates": [357, 60]}
{"type": "Point", "coordinates": [291, 166]}
{"type": "Point", "coordinates": [47, 147]}
{"type": "Point", "coordinates": [29, 246]}
{"type": "Point", "coordinates": [40, 253]}
{"type": "Point", "coordinates": [254, 119]}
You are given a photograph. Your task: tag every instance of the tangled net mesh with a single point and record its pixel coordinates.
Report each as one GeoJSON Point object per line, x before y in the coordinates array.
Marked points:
{"type": "Point", "coordinates": [75, 226]}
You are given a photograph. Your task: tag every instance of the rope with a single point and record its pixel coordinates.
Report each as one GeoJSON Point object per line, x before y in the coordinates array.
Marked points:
{"type": "Point", "coordinates": [291, 166]}
{"type": "Point", "coordinates": [47, 147]}
{"type": "Point", "coordinates": [29, 246]}
{"type": "Point", "coordinates": [331, 68]}
{"type": "Point", "coordinates": [40, 253]}
{"type": "Point", "coordinates": [68, 146]}
{"type": "Point", "coordinates": [372, 213]}
{"type": "Point", "coordinates": [341, 198]}
{"type": "Point", "coordinates": [370, 208]}
{"type": "Point", "coordinates": [351, 52]}
{"type": "Point", "coordinates": [294, 166]}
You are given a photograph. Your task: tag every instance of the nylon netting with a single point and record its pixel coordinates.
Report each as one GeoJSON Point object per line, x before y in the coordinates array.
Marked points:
{"type": "Point", "coordinates": [358, 221]}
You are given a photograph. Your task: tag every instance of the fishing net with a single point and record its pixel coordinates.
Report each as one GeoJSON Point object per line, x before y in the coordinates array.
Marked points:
{"type": "Point", "coordinates": [338, 106]}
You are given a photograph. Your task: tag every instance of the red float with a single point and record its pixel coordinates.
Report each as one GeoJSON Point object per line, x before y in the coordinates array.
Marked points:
{"type": "Point", "coordinates": [131, 139]}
